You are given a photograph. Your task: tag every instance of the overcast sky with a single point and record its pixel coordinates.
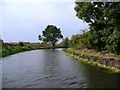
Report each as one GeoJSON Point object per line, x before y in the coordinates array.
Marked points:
{"type": "Point", "coordinates": [24, 20]}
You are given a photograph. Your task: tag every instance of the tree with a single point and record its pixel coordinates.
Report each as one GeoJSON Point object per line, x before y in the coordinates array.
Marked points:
{"type": "Point", "coordinates": [51, 35]}
{"type": "Point", "coordinates": [1, 43]}
{"type": "Point", "coordinates": [40, 37]}
{"type": "Point", "coordinates": [104, 22]}
{"type": "Point", "coordinates": [21, 44]}
{"type": "Point", "coordinates": [66, 42]}
{"type": "Point", "coordinates": [80, 41]}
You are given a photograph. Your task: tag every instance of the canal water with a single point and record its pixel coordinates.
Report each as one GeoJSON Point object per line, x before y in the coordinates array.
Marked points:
{"type": "Point", "coordinates": [52, 69]}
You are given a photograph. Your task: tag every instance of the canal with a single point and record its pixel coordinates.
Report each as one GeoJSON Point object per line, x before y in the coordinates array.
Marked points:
{"type": "Point", "coordinates": [52, 69]}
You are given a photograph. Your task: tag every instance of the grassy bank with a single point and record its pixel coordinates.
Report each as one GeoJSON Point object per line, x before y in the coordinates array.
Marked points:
{"type": "Point", "coordinates": [16, 49]}
{"type": "Point", "coordinates": [11, 49]}
{"type": "Point", "coordinates": [106, 61]}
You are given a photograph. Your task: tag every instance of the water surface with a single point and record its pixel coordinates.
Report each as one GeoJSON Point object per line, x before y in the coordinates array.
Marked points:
{"type": "Point", "coordinates": [52, 69]}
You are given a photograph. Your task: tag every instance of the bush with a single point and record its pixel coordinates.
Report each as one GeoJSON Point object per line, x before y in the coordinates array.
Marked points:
{"type": "Point", "coordinates": [80, 40]}
{"type": "Point", "coordinates": [21, 44]}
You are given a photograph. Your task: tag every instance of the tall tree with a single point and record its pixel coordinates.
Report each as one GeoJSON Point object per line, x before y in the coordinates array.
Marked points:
{"type": "Point", "coordinates": [51, 35]}
{"type": "Point", "coordinates": [104, 21]}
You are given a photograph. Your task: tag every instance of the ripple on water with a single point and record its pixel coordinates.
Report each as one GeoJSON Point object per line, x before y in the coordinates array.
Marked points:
{"type": "Point", "coordinates": [54, 71]}
{"type": "Point", "coordinates": [29, 85]}
{"type": "Point", "coordinates": [74, 82]}
{"type": "Point", "coordinates": [10, 81]}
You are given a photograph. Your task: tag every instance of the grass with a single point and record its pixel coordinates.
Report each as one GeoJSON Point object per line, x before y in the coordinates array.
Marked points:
{"type": "Point", "coordinates": [85, 55]}
{"type": "Point", "coordinates": [9, 50]}
{"type": "Point", "coordinates": [96, 54]}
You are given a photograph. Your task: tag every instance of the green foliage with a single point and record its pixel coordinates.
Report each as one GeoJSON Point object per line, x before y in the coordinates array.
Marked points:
{"type": "Point", "coordinates": [66, 42]}
{"type": "Point", "coordinates": [21, 44]}
{"type": "Point", "coordinates": [40, 37]}
{"type": "Point", "coordinates": [10, 49]}
{"type": "Point", "coordinates": [51, 35]}
{"type": "Point", "coordinates": [80, 40]}
{"type": "Point", "coordinates": [104, 22]}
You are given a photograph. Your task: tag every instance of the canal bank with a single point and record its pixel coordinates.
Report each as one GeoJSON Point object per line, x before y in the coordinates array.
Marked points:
{"type": "Point", "coordinates": [17, 49]}
{"type": "Point", "coordinates": [6, 51]}
{"type": "Point", "coordinates": [105, 61]}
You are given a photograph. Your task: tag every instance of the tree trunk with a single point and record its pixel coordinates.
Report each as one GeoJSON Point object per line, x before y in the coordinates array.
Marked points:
{"type": "Point", "coordinates": [53, 44]}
